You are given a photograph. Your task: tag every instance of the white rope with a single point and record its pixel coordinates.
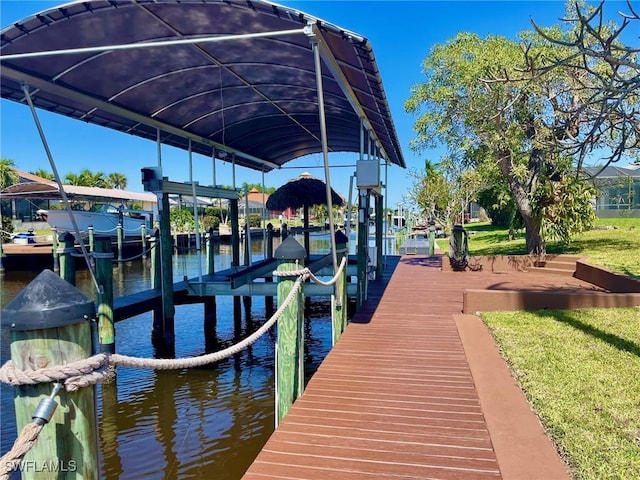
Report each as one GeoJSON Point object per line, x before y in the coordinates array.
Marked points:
{"type": "Point", "coordinates": [94, 369]}
{"type": "Point", "coordinates": [306, 273]}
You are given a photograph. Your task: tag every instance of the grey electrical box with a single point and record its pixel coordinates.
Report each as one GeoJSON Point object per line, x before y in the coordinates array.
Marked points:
{"type": "Point", "coordinates": [368, 174]}
{"type": "Point", "coordinates": [152, 179]}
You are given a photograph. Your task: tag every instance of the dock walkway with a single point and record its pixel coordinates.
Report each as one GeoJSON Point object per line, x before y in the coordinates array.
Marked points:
{"type": "Point", "coordinates": [415, 390]}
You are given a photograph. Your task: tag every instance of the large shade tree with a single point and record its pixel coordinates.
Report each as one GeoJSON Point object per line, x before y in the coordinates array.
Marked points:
{"type": "Point", "coordinates": [596, 49]}
{"type": "Point", "coordinates": [497, 104]}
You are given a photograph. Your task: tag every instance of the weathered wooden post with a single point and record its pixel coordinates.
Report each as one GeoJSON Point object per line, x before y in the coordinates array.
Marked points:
{"type": "Point", "coordinates": [143, 241]}
{"type": "Point", "coordinates": [156, 275]}
{"type": "Point", "coordinates": [210, 309]}
{"type": "Point", "coordinates": [166, 335]}
{"type": "Point", "coordinates": [104, 277]}
{"type": "Point", "coordinates": [120, 237]}
{"type": "Point", "coordinates": [268, 300]}
{"type": "Point", "coordinates": [50, 325]}
{"type": "Point", "coordinates": [290, 347]}
{"type": "Point", "coordinates": [339, 302]}
{"type": "Point", "coordinates": [54, 249]}
{"type": "Point", "coordinates": [67, 262]}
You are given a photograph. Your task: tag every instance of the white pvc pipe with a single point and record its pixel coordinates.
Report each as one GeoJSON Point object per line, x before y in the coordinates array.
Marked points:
{"type": "Point", "coordinates": [165, 43]}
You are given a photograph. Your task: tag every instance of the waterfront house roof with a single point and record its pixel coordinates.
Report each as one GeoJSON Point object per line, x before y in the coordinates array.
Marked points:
{"type": "Point", "coordinates": [234, 79]}
{"type": "Point", "coordinates": [612, 171]}
{"type": "Point", "coordinates": [33, 186]}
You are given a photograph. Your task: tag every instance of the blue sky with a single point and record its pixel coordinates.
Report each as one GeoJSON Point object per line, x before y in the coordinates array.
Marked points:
{"type": "Point", "coordinates": [401, 33]}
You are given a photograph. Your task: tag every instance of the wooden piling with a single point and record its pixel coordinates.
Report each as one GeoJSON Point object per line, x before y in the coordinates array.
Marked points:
{"type": "Point", "coordinates": [67, 262]}
{"type": "Point", "coordinates": [164, 339]}
{"type": "Point", "coordinates": [432, 240]}
{"type": "Point", "coordinates": [268, 301]}
{"type": "Point", "coordinates": [67, 446]}
{"type": "Point", "coordinates": [143, 240]}
{"type": "Point", "coordinates": [104, 277]}
{"type": "Point", "coordinates": [56, 258]}
{"type": "Point", "coordinates": [290, 346]}
{"type": "Point", "coordinates": [210, 308]}
{"type": "Point", "coordinates": [362, 247]}
{"type": "Point", "coordinates": [1, 256]}
{"type": "Point", "coordinates": [339, 300]}
{"type": "Point", "coordinates": [120, 238]}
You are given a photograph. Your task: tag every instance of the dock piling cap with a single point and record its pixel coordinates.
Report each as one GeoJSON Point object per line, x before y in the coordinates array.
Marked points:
{"type": "Point", "coordinates": [47, 302]}
{"type": "Point", "coordinates": [290, 249]}
{"type": "Point", "coordinates": [341, 237]}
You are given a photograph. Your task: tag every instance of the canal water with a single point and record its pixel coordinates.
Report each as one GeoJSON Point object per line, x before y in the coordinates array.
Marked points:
{"type": "Point", "coordinates": [207, 423]}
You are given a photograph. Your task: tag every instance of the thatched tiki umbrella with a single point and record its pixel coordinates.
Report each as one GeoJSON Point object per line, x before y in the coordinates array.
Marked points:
{"type": "Point", "coordinates": [303, 192]}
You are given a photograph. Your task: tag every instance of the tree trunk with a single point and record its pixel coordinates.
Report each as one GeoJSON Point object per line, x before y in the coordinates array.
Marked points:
{"type": "Point", "coordinates": [521, 194]}
{"type": "Point", "coordinates": [535, 240]}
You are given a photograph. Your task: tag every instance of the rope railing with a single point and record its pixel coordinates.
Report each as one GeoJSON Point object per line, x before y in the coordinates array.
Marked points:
{"type": "Point", "coordinates": [309, 274]}
{"type": "Point", "coordinates": [94, 369]}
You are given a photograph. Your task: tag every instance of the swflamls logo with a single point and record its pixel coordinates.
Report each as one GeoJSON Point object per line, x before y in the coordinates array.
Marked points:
{"type": "Point", "coordinates": [35, 466]}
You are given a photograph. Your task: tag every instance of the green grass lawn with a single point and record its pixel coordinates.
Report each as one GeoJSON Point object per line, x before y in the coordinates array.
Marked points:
{"type": "Point", "coordinates": [580, 370]}
{"type": "Point", "coordinates": [614, 243]}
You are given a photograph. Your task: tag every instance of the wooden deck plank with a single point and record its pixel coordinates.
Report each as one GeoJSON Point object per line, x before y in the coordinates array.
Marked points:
{"type": "Point", "coordinates": [397, 397]}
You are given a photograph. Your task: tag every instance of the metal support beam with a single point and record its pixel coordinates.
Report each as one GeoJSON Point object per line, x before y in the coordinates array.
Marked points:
{"type": "Point", "coordinates": [65, 92]}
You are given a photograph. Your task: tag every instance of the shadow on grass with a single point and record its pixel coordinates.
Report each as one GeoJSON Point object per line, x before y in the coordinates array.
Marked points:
{"type": "Point", "coordinates": [612, 339]}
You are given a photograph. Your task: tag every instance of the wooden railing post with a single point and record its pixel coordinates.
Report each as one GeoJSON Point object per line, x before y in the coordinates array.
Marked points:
{"type": "Point", "coordinates": [290, 346]}
{"type": "Point", "coordinates": [104, 277]}
{"type": "Point", "coordinates": [59, 335]}
{"type": "Point", "coordinates": [67, 262]}
{"type": "Point", "coordinates": [339, 301]}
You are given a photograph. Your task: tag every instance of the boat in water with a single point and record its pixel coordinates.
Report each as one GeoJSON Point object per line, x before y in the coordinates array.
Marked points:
{"type": "Point", "coordinates": [103, 217]}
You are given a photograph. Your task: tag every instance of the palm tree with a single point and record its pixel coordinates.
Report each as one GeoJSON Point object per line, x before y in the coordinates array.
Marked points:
{"type": "Point", "coordinates": [90, 179]}
{"type": "Point", "coordinates": [72, 179]}
{"type": "Point", "coordinates": [117, 180]}
{"type": "Point", "coordinates": [43, 174]}
{"type": "Point", "coordinates": [8, 175]}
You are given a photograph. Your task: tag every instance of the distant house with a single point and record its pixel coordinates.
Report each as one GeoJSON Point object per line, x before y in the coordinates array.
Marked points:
{"type": "Point", "coordinates": [618, 190]}
{"type": "Point", "coordinates": [32, 193]}
{"type": "Point", "coordinates": [257, 203]}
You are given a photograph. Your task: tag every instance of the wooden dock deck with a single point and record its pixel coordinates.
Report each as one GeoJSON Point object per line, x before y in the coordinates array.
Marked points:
{"type": "Point", "coordinates": [415, 390]}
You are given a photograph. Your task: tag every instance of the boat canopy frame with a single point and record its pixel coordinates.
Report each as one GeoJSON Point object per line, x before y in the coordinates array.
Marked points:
{"type": "Point", "coordinates": [233, 78]}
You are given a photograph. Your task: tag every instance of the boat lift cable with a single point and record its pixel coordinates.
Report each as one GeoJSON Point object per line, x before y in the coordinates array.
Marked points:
{"type": "Point", "coordinates": [65, 199]}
